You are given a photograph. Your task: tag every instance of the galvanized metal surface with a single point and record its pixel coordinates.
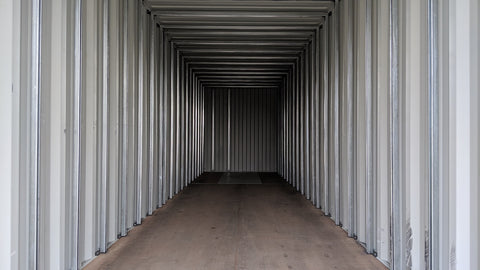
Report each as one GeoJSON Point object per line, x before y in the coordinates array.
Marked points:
{"type": "Point", "coordinates": [124, 120]}
{"type": "Point", "coordinates": [397, 212]}
{"type": "Point", "coordinates": [336, 113]}
{"type": "Point", "coordinates": [370, 185]}
{"type": "Point", "coordinates": [325, 114]}
{"type": "Point", "coordinates": [141, 121]}
{"type": "Point", "coordinates": [349, 19]}
{"type": "Point", "coordinates": [33, 159]}
{"type": "Point", "coordinates": [245, 118]}
{"type": "Point", "coordinates": [152, 115]}
{"type": "Point", "coordinates": [435, 185]}
{"type": "Point", "coordinates": [76, 140]}
{"type": "Point", "coordinates": [293, 93]}
{"type": "Point", "coordinates": [104, 131]}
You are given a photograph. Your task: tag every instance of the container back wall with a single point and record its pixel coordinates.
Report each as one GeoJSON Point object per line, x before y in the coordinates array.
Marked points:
{"type": "Point", "coordinates": [245, 129]}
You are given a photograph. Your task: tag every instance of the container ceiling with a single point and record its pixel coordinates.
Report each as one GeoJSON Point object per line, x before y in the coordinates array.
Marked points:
{"type": "Point", "coordinates": [240, 43]}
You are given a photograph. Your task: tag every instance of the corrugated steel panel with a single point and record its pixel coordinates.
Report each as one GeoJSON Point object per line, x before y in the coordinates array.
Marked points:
{"type": "Point", "coordinates": [253, 128]}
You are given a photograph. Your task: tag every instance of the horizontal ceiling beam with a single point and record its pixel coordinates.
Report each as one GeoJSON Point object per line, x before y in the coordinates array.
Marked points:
{"type": "Point", "coordinates": [321, 6]}
{"type": "Point", "coordinates": [226, 86]}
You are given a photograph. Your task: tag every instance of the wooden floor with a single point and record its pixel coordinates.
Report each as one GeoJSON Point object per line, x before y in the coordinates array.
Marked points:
{"type": "Point", "coordinates": [237, 226]}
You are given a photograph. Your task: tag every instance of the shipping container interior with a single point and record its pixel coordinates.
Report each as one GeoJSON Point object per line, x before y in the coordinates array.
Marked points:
{"type": "Point", "coordinates": [368, 108]}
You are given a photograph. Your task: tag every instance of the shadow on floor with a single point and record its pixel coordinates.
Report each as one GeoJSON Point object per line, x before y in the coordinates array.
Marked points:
{"type": "Point", "coordinates": [239, 178]}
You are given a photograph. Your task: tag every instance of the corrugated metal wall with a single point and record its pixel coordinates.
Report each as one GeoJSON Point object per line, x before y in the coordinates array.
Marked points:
{"type": "Point", "coordinates": [103, 121]}
{"type": "Point", "coordinates": [244, 133]}
{"type": "Point", "coordinates": [120, 131]}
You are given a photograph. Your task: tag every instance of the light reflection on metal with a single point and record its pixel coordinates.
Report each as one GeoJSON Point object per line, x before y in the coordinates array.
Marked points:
{"type": "Point", "coordinates": [105, 130]}
{"type": "Point", "coordinates": [76, 157]}
{"type": "Point", "coordinates": [140, 114]}
{"type": "Point", "coordinates": [435, 185]}
{"type": "Point", "coordinates": [151, 116]}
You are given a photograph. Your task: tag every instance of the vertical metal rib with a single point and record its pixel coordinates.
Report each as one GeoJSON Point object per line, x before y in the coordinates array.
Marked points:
{"type": "Point", "coordinates": [313, 127]}
{"type": "Point", "coordinates": [196, 117]}
{"type": "Point", "coordinates": [194, 124]}
{"type": "Point", "coordinates": [141, 78]}
{"type": "Point", "coordinates": [325, 49]}
{"type": "Point", "coordinates": [282, 127]}
{"type": "Point", "coordinates": [299, 140]}
{"type": "Point", "coordinates": [197, 125]}
{"type": "Point", "coordinates": [336, 112]}
{"type": "Point", "coordinates": [291, 126]}
{"type": "Point", "coordinates": [301, 116]}
{"type": "Point", "coordinates": [433, 130]}
{"type": "Point", "coordinates": [34, 136]}
{"type": "Point", "coordinates": [188, 121]}
{"type": "Point", "coordinates": [396, 185]}
{"type": "Point", "coordinates": [161, 118]}
{"type": "Point", "coordinates": [77, 112]}
{"type": "Point", "coordinates": [151, 136]}
{"type": "Point", "coordinates": [190, 150]}
{"type": "Point", "coordinates": [166, 117]}
{"type": "Point", "coordinates": [105, 121]}
{"type": "Point", "coordinates": [124, 116]}
{"type": "Point", "coordinates": [166, 120]}
{"type": "Point", "coordinates": [370, 192]}
{"type": "Point", "coordinates": [213, 130]}
{"type": "Point", "coordinates": [307, 122]}
{"type": "Point", "coordinates": [229, 154]}
{"type": "Point", "coordinates": [172, 118]}
{"type": "Point", "coordinates": [188, 107]}
{"type": "Point", "coordinates": [181, 121]}
{"type": "Point", "coordinates": [317, 105]}
{"type": "Point", "coordinates": [201, 131]}
{"type": "Point", "coordinates": [285, 127]}
{"type": "Point", "coordinates": [177, 119]}
{"type": "Point", "coordinates": [295, 126]}
{"type": "Point", "coordinates": [158, 115]}
{"type": "Point", "coordinates": [188, 124]}
{"type": "Point", "coordinates": [350, 117]}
